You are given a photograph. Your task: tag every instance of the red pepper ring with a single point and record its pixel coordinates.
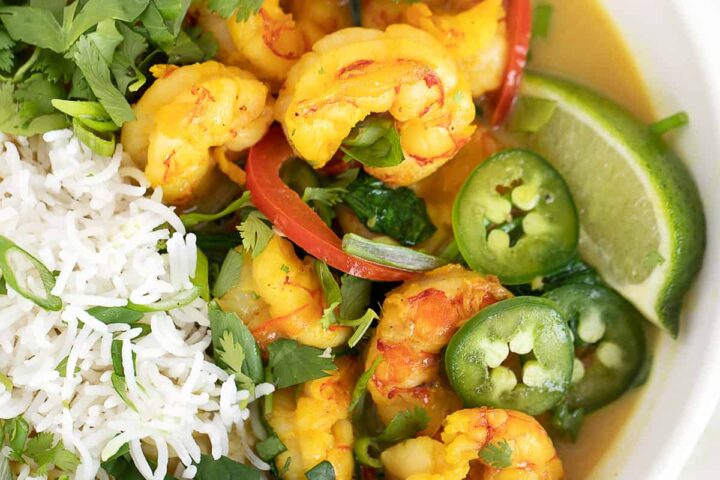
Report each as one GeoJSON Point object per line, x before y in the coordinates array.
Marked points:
{"type": "Point", "coordinates": [289, 214]}
{"type": "Point", "coordinates": [519, 31]}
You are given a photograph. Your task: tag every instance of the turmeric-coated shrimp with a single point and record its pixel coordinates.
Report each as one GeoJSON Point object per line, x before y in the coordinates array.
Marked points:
{"type": "Point", "coordinates": [476, 37]}
{"type": "Point", "coordinates": [381, 13]}
{"type": "Point", "coordinates": [279, 296]}
{"type": "Point", "coordinates": [314, 425]}
{"type": "Point", "coordinates": [184, 114]}
{"type": "Point", "coordinates": [507, 445]}
{"type": "Point", "coordinates": [274, 39]}
{"type": "Point", "coordinates": [417, 322]}
{"type": "Point", "coordinates": [355, 72]}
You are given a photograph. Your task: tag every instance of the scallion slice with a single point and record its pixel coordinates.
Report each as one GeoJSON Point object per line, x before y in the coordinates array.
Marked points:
{"type": "Point", "coordinates": [49, 301]}
{"type": "Point", "coordinates": [390, 255]}
{"type": "Point", "coordinates": [179, 300]}
{"type": "Point", "coordinates": [100, 143]}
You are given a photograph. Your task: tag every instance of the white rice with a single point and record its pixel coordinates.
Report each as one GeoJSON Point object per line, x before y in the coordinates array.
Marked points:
{"type": "Point", "coordinates": [92, 219]}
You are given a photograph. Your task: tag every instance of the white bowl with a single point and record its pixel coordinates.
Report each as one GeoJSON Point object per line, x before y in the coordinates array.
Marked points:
{"type": "Point", "coordinates": [676, 44]}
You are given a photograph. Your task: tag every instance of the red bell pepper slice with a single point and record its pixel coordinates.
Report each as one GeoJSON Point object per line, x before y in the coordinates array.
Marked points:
{"type": "Point", "coordinates": [519, 31]}
{"type": "Point", "coordinates": [289, 214]}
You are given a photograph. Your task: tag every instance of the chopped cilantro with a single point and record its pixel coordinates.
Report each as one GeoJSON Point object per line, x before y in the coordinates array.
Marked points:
{"type": "Point", "coordinates": [245, 8]}
{"type": "Point", "coordinates": [292, 363]}
{"type": "Point", "coordinates": [229, 274]}
{"type": "Point", "coordinates": [240, 339]}
{"type": "Point", "coordinates": [255, 233]}
{"type": "Point", "coordinates": [497, 455]}
{"type": "Point", "coordinates": [321, 471]}
{"type": "Point", "coordinates": [270, 448]}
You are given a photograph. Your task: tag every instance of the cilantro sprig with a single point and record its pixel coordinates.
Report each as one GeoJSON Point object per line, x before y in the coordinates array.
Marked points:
{"type": "Point", "coordinates": [79, 64]}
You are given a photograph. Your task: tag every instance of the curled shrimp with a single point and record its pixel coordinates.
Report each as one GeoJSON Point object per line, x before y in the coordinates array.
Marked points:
{"type": "Point", "coordinates": [417, 322]}
{"type": "Point", "coordinates": [272, 41]}
{"type": "Point", "coordinates": [476, 37]}
{"type": "Point", "coordinates": [355, 72]}
{"type": "Point", "coordinates": [280, 296]}
{"type": "Point", "coordinates": [381, 13]}
{"type": "Point", "coordinates": [315, 425]}
{"type": "Point", "coordinates": [184, 114]}
{"type": "Point", "coordinates": [507, 445]}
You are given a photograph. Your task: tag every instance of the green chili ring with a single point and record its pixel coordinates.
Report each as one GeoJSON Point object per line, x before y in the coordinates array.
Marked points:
{"type": "Point", "coordinates": [49, 302]}
{"type": "Point", "coordinates": [535, 330]}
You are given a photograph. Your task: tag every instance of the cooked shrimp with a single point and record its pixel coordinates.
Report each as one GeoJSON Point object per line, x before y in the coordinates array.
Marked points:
{"type": "Point", "coordinates": [381, 13]}
{"type": "Point", "coordinates": [418, 320]}
{"type": "Point", "coordinates": [315, 425]}
{"type": "Point", "coordinates": [476, 37]}
{"type": "Point", "coordinates": [272, 41]}
{"type": "Point", "coordinates": [279, 296]}
{"type": "Point", "coordinates": [355, 72]}
{"type": "Point", "coordinates": [185, 113]}
{"type": "Point", "coordinates": [521, 449]}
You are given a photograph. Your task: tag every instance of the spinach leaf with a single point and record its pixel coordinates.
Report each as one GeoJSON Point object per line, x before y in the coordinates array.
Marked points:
{"type": "Point", "coordinates": [398, 213]}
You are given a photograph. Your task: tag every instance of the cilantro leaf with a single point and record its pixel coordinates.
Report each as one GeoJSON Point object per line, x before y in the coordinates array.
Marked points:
{"type": "Point", "coordinates": [292, 363]}
{"type": "Point", "coordinates": [404, 425]}
{"type": "Point", "coordinates": [228, 322]}
{"type": "Point", "coordinates": [245, 8]}
{"type": "Point", "coordinates": [97, 11]}
{"type": "Point", "coordinates": [270, 448]}
{"type": "Point", "coordinates": [321, 471]}
{"type": "Point", "coordinates": [229, 274]}
{"type": "Point", "coordinates": [361, 326]}
{"type": "Point", "coordinates": [31, 116]}
{"type": "Point", "coordinates": [96, 72]}
{"type": "Point", "coordinates": [110, 315]}
{"type": "Point", "coordinates": [329, 196]}
{"type": "Point", "coordinates": [124, 64]}
{"type": "Point", "coordinates": [355, 294]}
{"type": "Point", "coordinates": [14, 434]}
{"type": "Point", "coordinates": [33, 25]}
{"type": "Point", "coordinates": [255, 233]}
{"type": "Point", "coordinates": [374, 142]}
{"type": "Point", "coordinates": [225, 469]}
{"type": "Point", "coordinates": [191, 220]}
{"type": "Point", "coordinates": [361, 388]}
{"type": "Point", "coordinates": [331, 293]}
{"type": "Point", "coordinates": [201, 277]}
{"type": "Point", "coordinates": [54, 67]}
{"type": "Point", "coordinates": [42, 451]}
{"type": "Point", "coordinates": [106, 38]}
{"type": "Point", "coordinates": [231, 354]}
{"type": "Point", "coordinates": [497, 455]}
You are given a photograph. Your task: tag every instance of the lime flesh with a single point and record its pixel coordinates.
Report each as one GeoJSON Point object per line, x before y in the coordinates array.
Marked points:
{"type": "Point", "coordinates": [642, 222]}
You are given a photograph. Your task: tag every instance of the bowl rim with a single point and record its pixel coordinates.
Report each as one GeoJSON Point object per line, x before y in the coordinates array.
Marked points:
{"type": "Point", "coordinates": [699, 22]}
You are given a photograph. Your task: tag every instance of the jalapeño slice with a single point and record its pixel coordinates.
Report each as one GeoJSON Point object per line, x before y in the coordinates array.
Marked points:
{"type": "Point", "coordinates": [480, 368]}
{"type": "Point", "coordinates": [609, 343]}
{"type": "Point", "coordinates": [515, 218]}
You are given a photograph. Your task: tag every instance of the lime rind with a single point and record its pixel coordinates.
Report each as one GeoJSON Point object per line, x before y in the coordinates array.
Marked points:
{"type": "Point", "coordinates": [667, 184]}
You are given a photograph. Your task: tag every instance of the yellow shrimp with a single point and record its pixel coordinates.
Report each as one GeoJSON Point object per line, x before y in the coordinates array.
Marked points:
{"type": "Point", "coordinates": [381, 13]}
{"type": "Point", "coordinates": [272, 41]}
{"type": "Point", "coordinates": [315, 425]}
{"type": "Point", "coordinates": [184, 114]}
{"type": "Point", "coordinates": [279, 296]}
{"type": "Point", "coordinates": [355, 72]}
{"type": "Point", "coordinates": [417, 322]}
{"type": "Point", "coordinates": [476, 37]}
{"type": "Point", "coordinates": [505, 444]}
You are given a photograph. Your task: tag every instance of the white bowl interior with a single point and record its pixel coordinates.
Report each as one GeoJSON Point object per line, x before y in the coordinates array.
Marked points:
{"type": "Point", "coordinates": [672, 40]}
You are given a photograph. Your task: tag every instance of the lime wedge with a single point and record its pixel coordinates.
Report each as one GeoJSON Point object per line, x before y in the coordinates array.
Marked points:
{"type": "Point", "coordinates": [642, 223]}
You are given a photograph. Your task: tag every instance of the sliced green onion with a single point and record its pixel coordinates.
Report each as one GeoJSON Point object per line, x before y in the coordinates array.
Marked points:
{"type": "Point", "coordinates": [391, 255]}
{"type": "Point", "coordinates": [5, 471]}
{"type": "Point", "coordinates": [672, 122]}
{"type": "Point", "coordinates": [3, 285]}
{"type": "Point", "coordinates": [191, 220]}
{"type": "Point", "coordinates": [102, 144]}
{"type": "Point", "coordinates": [179, 300]}
{"type": "Point", "coordinates": [542, 16]}
{"type": "Point", "coordinates": [531, 114]}
{"type": "Point", "coordinates": [92, 114]}
{"type": "Point", "coordinates": [49, 301]}
{"type": "Point", "coordinates": [120, 386]}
